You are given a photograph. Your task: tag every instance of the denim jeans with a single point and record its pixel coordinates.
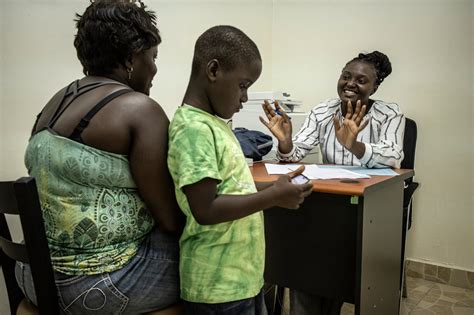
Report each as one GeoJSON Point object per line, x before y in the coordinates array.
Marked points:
{"type": "Point", "coordinates": [148, 282]}
{"type": "Point", "coordinates": [302, 303]}
{"type": "Point", "coordinates": [250, 306]}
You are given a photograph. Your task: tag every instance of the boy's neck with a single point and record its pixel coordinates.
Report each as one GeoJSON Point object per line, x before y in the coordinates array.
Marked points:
{"type": "Point", "coordinates": [196, 96]}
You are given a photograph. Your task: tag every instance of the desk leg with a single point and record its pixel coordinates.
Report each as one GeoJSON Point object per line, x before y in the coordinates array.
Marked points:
{"type": "Point", "coordinates": [378, 251]}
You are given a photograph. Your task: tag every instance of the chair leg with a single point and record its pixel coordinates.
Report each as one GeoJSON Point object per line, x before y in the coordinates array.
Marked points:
{"type": "Point", "coordinates": [404, 288]}
{"type": "Point", "coordinates": [280, 296]}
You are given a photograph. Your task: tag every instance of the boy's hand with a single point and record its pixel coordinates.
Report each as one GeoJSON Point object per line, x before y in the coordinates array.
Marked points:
{"type": "Point", "coordinates": [289, 195]}
{"type": "Point", "coordinates": [296, 172]}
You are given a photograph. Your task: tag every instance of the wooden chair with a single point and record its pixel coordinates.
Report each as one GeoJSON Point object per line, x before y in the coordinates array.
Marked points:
{"type": "Point", "coordinates": [21, 198]}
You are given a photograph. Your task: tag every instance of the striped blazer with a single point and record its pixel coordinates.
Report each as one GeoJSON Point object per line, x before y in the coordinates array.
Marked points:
{"type": "Point", "coordinates": [383, 136]}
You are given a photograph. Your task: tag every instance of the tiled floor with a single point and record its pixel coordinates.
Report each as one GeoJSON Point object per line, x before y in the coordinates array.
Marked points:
{"type": "Point", "coordinates": [424, 298]}
{"type": "Point", "coordinates": [427, 298]}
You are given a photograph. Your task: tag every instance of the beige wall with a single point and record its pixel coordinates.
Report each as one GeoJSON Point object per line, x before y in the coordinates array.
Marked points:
{"type": "Point", "coordinates": [472, 115]}
{"type": "Point", "coordinates": [430, 46]}
{"type": "Point", "coordinates": [2, 19]}
{"type": "Point", "coordinates": [304, 45]}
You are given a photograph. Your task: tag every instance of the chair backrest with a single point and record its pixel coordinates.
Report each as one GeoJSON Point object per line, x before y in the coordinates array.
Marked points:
{"type": "Point", "coordinates": [21, 198]}
{"type": "Point", "coordinates": [409, 144]}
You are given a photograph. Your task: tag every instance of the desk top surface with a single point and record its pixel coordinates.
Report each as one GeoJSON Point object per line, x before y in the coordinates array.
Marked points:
{"type": "Point", "coordinates": [337, 186]}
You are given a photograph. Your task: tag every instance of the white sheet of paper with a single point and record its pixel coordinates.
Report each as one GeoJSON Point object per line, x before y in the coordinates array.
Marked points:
{"type": "Point", "coordinates": [363, 170]}
{"type": "Point", "coordinates": [312, 171]}
{"type": "Point", "coordinates": [280, 168]}
{"type": "Point", "coordinates": [333, 173]}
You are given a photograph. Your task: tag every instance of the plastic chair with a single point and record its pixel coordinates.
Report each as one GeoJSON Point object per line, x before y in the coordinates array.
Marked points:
{"type": "Point", "coordinates": [409, 148]}
{"type": "Point", "coordinates": [21, 198]}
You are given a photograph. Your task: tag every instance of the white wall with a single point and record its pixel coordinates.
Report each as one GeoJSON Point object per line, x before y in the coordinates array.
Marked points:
{"type": "Point", "coordinates": [2, 19]}
{"type": "Point", "coordinates": [304, 45]}
{"type": "Point", "coordinates": [38, 58]}
{"type": "Point", "coordinates": [430, 46]}
{"type": "Point", "coordinates": [472, 116]}
{"type": "Point", "coordinates": [181, 22]}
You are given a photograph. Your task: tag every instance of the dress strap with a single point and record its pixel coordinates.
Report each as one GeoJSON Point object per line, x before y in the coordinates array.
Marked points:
{"type": "Point", "coordinates": [76, 134]}
{"type": "Point", "coordinates": [75, 90]}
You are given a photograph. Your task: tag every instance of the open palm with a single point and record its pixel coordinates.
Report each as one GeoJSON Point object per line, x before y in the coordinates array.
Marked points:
{"type": "Point", "coordinates": [278, 124]}
{"type": "Point", "coordinates": [347, 131]}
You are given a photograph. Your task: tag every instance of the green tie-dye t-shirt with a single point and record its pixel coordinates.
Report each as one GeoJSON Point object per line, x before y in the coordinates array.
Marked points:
{"type": "Point", "coordinates": [222, 262]}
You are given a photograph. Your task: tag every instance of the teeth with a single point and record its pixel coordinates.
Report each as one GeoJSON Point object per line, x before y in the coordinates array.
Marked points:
{"type": "Point", "coordinates": [349, 92]}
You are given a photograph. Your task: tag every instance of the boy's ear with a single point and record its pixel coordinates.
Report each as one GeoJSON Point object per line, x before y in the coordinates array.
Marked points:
{"type": "Point", "coordinates": [211, 69]}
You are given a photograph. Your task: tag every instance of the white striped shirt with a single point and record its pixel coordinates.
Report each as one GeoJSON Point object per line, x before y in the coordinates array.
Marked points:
{"type": "Point", "coordinates": [383, 136]}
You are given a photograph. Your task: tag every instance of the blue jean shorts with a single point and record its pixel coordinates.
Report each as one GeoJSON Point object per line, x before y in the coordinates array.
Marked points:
{"type": "Point", "coordinates": [148, 282]}
{"type": "Point", "coordinates": [250, 306]}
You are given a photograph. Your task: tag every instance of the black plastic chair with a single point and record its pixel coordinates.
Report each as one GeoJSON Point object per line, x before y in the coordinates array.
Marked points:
{"type": "Point", "coordinates": [409, 148]}
{"type": "Point", "coordinates": [21, 198]}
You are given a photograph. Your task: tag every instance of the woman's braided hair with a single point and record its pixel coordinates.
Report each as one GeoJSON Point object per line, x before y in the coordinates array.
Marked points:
{"type": "Point", "coordinates": [379, 60]}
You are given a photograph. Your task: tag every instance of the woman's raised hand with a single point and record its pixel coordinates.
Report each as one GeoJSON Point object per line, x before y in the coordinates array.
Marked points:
{"type": "Point", "coordinates": [278, 123]}
{"type": "Point", "coordinates": [346, 133]}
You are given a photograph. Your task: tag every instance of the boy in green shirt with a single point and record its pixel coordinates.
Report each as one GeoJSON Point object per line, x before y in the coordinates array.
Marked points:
{"type": "Point", "coordinates": [222, 248]}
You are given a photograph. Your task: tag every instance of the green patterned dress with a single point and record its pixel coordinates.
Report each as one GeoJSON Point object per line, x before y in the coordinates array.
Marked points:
{"type": "Point", "coordinates": [94, 216]}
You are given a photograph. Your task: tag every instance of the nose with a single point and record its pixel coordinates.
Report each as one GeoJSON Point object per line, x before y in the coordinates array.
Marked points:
{"type": "Point", "coordinates": [351, 82]}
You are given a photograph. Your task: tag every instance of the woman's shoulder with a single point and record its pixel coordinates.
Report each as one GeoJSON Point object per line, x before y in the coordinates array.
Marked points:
{"type": "Point", "coordinates": [138, 104]}
{"type": "Point", "coordinates": [328, 105]}
{"type": "Point", "coordinates": [384, 107]}
{"type": "Point", "coordinates": [386, 112]}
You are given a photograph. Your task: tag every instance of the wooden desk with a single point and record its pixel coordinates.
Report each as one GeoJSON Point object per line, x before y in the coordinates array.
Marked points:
{"type": "Point", "coordinates": [344, 241]}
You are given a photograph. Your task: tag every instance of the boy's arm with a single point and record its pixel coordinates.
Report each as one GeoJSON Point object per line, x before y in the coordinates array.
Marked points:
{"type": "Point", "coordinates": [209, 208]}
{"type": "Point", "coordinates": [262, 186]}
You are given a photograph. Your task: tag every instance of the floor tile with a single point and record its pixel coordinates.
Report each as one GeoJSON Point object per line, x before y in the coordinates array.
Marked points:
{"type": "Point", "coordinates": [429, 298]}
{"type": "Point", "coordinates": [347, 309]}
{"type": "Point", "coordinates": [444, 299]}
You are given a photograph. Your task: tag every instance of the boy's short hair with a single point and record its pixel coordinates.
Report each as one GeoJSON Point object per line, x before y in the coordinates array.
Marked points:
{"type": "Point", "coordinates": [110, 31]}
{"type": "Point", "coordinates": [229, 45]}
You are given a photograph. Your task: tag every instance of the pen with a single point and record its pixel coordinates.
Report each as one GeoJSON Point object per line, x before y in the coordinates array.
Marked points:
{"type": "Point", "coordinates": [278, 112]}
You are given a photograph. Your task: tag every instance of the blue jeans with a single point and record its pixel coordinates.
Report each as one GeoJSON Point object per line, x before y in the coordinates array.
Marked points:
{"type": "Point", "coordinates": [148, 282]}
{"type": "Point", "coordinates": [250, 306]}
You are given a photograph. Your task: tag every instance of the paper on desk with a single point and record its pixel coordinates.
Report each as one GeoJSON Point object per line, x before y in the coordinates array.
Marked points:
{"type": "Point", "coordinates": [363, 170]}
{"type": "Point", "coordinates": [280, 168]}
{"type": "Point", "coordinates": [333, 173]}
{"type": "Point", "coordinates": [312, 171]}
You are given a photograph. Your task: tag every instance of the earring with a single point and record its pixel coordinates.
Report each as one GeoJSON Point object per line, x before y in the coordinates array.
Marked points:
{"type": "Point", "coordinates": [130, 70]}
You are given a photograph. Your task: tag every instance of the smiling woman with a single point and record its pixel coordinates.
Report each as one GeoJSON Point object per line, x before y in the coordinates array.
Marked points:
{"type": "Point", "coordinates": [353, 129]}
{"type": "Point", "coordinates": [370, 135]}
